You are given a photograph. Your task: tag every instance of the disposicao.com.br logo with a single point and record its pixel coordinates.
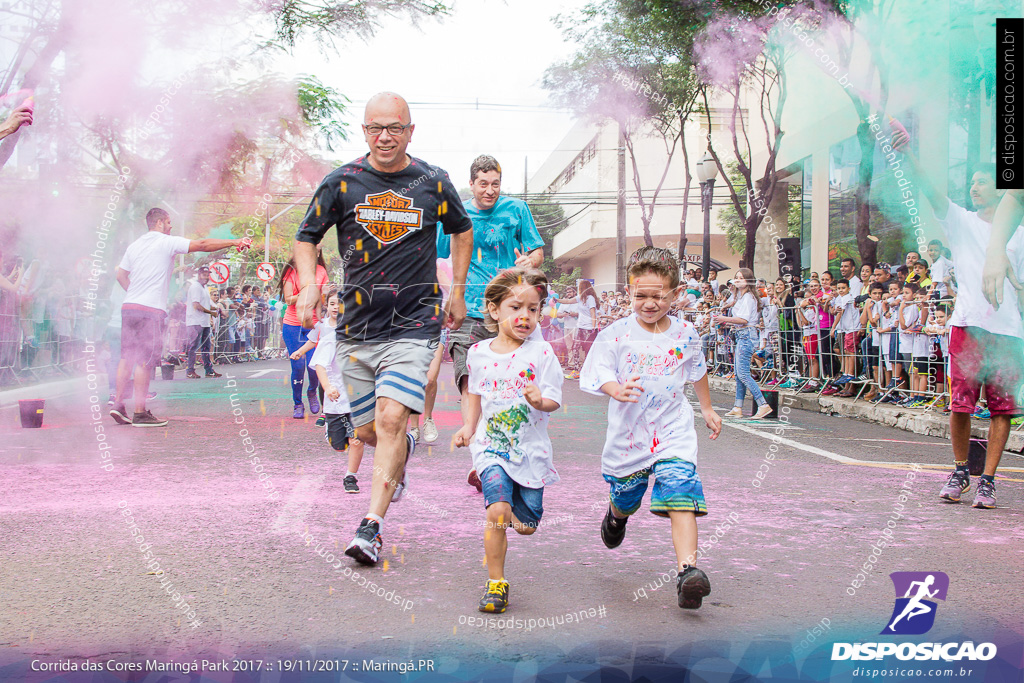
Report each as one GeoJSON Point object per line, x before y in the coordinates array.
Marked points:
{"type": "Point", "coordinates": [914, 614]}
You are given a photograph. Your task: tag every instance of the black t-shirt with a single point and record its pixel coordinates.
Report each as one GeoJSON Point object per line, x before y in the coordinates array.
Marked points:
{"type": "Point", "coordinates": [387, 241]}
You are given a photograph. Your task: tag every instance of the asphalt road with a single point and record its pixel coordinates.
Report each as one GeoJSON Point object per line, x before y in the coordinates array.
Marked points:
{"type": "Point", "coordinates": [784, 556]}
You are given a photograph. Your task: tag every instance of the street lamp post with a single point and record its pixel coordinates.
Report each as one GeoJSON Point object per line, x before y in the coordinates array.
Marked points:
{"type": "Point", "coordinates": [707, 171]}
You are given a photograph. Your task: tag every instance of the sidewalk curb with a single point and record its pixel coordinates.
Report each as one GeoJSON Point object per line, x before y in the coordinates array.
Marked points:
{"type": "Point", "coordinates": [913, 420]}
{"type": "Point", "coordinates": [61, 387]}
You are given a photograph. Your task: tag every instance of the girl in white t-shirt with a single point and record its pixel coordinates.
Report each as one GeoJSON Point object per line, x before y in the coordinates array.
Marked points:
{"type": "Point", "coordinates": [746, 313]}
{"type": "Point", "coordinates": [514, 382]}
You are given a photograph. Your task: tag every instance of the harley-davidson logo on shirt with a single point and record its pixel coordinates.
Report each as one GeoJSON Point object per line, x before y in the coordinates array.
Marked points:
{"type": "Point", "coordinates": [388, 216]}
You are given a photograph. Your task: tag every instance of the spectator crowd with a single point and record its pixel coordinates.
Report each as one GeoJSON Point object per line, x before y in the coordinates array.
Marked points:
{"type": "Point", "coordinates": [878, 331]}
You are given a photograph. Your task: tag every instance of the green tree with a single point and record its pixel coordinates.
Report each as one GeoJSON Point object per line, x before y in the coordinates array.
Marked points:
{"type": "Point", "coordinates": [628, 73]}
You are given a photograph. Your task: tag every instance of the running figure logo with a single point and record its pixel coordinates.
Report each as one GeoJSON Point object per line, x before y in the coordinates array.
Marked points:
{"type": "Point", "coordinates": [914, 613]}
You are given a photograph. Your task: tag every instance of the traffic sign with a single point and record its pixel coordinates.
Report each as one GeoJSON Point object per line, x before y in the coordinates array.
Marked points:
{"type": "Point", "coordinates": [219, 272]}
{"type": "Point", "coordinates": [265, 271]}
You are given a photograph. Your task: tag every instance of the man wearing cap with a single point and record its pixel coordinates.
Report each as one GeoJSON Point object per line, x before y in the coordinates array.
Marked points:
{"type": "Point", "coordinates": [197, 319]}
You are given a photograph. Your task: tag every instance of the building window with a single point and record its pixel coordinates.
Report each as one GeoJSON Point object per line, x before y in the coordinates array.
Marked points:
{"type": "Point", "coordinates": [575, 166]}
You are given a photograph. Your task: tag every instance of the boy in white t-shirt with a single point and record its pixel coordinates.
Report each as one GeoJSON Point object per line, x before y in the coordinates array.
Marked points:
{"type": "Point", "coordinates": [846, 323]}
{"type": "Point", "coordinates": [515, 381]}
{"type": "Point", "coordinates": [888, 329]}
{"type": "Point", "coordinates": [643, 363]}
{"type": "Point", "coordinates": [908, 317]}
{"type": "Point", "coordinates": [338, 430]}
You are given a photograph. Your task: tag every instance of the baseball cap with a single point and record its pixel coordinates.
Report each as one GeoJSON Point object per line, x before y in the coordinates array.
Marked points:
{"type": "Point", "coordinates": [204, 269]}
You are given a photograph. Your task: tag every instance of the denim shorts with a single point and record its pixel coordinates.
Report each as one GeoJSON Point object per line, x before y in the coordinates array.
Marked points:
{"type": "Point", "coordinates": [677, 486]}
{"type": "Point", "coordinates": [498, 487]}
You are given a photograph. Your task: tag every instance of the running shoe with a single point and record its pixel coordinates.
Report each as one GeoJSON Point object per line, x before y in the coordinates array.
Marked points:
{"type": "Point", "coordinates": [959, 483]}
{"type": "Point", "coordinates": [1015, 421]}
{"type": "Point", "coordinates": [351, 484]}
{"type": "Point", "coordinates": [120, 414]}
{"type": "Point", "coordinates": [863, 378]}
{"type": "Point", "coordinates": [299, 412]}
{"type": "Point", "coordinates": [809, 388]}
{"type": "Point", "coordinates": [110, 401]}
{"type": "Point", "coordinates": [214, 374]}
{"type": "Point", "coordinates": [981, 414]}
{"type": "Point", "coordinates": [429, 430]}
{"type": "Point", "coordinates": [788, 384]}
{"type": "Point", "coordinates": [147, 419]}
{"type": "Point", "coordinates": [415, 431]}
{"type": "Point", "coordinates": [830, 391]}
{"type": "Point", "coordinates": [735, 412]}
{"type": "Point", "coordinates": [691, 588]}
{"type": "Point", "coordinates": [881, 398]}
{"type": "Point", "coordinates": [321, 421]}
{"type": "Point", "coordinates": [473, 479]}
{"type": "Point", "coordinates": [365, 547]}
{"type": "Point", "coordinates": [495, 597]}
{"type": "Point", "coordinates": [613, 530]}
{"type": "Point", "coordinates": [762, 412]}
{"type": "Point", "coordinates": [314, 401]}
{"type": "Point", "coordinates": [192, 375]}
{"type": "Point", "coordinates": [986, 496]}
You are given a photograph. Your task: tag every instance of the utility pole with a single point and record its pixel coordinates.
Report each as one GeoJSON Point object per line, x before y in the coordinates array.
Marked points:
{"type": "Point", "coordinates": [526, 176]}
{"type": "Point", "coordinates": [620, 213]}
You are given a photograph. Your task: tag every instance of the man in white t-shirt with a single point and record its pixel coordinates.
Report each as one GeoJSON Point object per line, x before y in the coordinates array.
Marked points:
{"type": "Point", "coordinates": [940, 266]}
{"type": "Point", "coordinates": [848, 271]}
{"type": "Point", "coordinates": [198, 311]}
{"type": "Point", "coordinates": [145, 275]}
{"type": "Point", "coordinates": [986, 348]}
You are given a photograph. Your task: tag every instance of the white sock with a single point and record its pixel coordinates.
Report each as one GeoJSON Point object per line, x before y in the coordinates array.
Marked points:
{"type": "Point", "coordinates": [350, 474]}
{"type": "Point", "coordinates": [376, 518]}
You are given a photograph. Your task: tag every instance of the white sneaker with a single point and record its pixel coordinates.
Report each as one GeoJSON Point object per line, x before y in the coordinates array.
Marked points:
{"type": "Point", "coordinates": [429, 430]}
{"type": "Point", "coordinates": [763, 412]}
{"type": "Point", "coordinates": [735, 412]}
{"type": "Point", "coordinates": [415, 431]}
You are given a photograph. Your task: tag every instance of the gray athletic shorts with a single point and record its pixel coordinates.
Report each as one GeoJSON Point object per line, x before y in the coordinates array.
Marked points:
{"type": "Point", "coordinates": [396, 369]}
{"type": "Point", "coordinates": [472, 331]}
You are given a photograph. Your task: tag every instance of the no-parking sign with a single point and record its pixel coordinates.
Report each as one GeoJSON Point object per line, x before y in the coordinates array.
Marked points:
{"type": "Point", "coordinates": [219, 272]}
{"type": "Point", "coordinates": [265, 271]}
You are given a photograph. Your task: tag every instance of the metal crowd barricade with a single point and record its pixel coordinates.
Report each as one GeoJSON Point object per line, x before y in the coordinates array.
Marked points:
{"type": "Point", "coordinates": [42, 337]}
{"type": "Point", "coordinates": [792, 369]}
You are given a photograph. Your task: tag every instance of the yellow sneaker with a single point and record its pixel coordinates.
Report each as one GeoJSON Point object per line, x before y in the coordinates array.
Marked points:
{"type": "Point", "coordinates": [496, 597]}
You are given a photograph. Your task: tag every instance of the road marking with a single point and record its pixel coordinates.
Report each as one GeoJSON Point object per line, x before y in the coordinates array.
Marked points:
{"type": "Point", "coordinates": [842, 458]}
{"type": "Point", "coordinates": [299, 502]}
{"type": "Point", "coordinates": [259, 373]}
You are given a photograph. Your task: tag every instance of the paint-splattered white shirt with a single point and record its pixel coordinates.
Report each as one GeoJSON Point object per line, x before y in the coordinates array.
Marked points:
{"type": "Point", "coordinates": [661, 424]}
{"type": "Point", "coordinates": [512, 433]}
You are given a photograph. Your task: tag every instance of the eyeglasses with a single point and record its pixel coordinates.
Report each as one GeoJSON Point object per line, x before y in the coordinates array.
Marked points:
{"type": "Point", "coordinates": [393, 129]}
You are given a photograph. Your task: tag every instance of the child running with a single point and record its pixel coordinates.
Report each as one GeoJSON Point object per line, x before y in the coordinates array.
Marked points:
{"type": "Point", "coordinates": [515, 380]}
{"type": "Point", "coordinates": [643, 363]}
{"type": "Point", "coordinates": [338, 429]}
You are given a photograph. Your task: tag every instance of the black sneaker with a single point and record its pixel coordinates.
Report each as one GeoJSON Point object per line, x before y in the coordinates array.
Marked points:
{"type": "Point", "coordinates": [365, 547]}
{"type": "Point", "coordinates": [147, 419]}
{"type": "Point", "coordinates": [495, 597]}
{"type": "Point", "coordinates": [351, 485]}
{"type": "Point", "coordinates": [120, 414]}
{"type": "Point", "coordinates": [691, 587]}
{"type": "Point", "coordinates": [613, 530]}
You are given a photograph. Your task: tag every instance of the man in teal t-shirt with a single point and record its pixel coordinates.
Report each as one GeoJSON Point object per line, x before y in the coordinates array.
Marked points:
{"type": "Point", "coordinates": [504, 235]}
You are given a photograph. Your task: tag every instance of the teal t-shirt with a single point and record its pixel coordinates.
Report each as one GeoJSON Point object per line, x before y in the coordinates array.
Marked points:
{"type": "Point", "coordinates": [497, 233]}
